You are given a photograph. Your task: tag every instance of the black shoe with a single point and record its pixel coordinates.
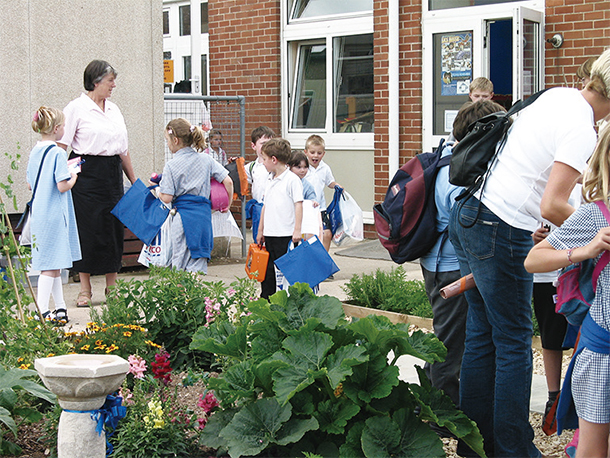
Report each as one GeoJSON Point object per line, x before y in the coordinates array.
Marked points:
{"type": "Point", "coordinates": [60, 317]}
{"type": "Point", "coordinates": [330, 278]}
{"type": "Point", "coordinates": [45, 316]}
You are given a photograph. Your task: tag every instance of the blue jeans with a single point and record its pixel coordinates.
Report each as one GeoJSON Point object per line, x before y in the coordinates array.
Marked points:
{"type": "Point", "coordinates": [496, 375]}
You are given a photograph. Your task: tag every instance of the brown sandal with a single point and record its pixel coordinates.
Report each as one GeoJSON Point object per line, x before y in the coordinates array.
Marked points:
{"type": "Point", "coordinates": [84, 299]}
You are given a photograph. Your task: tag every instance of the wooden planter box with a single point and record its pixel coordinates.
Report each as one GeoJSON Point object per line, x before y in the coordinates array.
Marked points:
{"type": "Point", "coordinates": [361, 312]}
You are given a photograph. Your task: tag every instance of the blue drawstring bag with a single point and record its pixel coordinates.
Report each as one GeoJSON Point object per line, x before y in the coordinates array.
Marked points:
{"type": "Point", "coordinates": [333, 211]}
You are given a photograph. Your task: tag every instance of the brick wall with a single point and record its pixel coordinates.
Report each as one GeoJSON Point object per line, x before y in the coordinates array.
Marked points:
{"type": "Point", "coordinates": [245, 58]}
{"type": "Point", "coordinates": [585, 26]}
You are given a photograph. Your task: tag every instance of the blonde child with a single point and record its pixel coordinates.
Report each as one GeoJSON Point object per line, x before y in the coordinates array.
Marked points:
{"type": "Point", "coordinates": [257, 176]}
{"type": "Point", "coordinates": [186, 184]}
{"type": "Point", "coordinates": [55, 242]}
{"type": "Point", "coordinates": [282, 211]}
{"type": "Point", "coordinates": [481, 89]}
{"type": "Point", "coordinates": [586, 235]}
{"type": "Point", "coordinates": [320, 175]}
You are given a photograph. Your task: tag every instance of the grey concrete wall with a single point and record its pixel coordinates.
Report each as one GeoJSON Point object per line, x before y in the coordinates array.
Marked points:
{"type": "Point", "coordinates": [44, 49]}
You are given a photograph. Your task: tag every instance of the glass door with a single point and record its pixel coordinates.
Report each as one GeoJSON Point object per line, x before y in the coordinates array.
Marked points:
{"type": "Point", "coordinates": [528, 46]}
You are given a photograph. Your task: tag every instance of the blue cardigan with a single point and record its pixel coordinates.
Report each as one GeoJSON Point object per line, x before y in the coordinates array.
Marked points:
{"type": "Point", "coordinates": [196, 214]}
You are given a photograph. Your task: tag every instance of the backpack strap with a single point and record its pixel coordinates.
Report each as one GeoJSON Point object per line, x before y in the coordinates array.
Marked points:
{"type": "Point", "coordinates": [605, 258]}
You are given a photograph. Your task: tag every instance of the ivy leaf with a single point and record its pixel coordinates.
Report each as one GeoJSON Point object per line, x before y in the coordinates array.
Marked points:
{"type": "Point", "coordinates": [221, 338]}
{"type": "Point", "coordinates": [352, 447]}
{"type": "Point", "coordinates": [334, 415]}
{"type": "Point", "coordinates": [340, 363]}
{"type": "Point", "coordinates": [210, 436]}
{"type": "Point", "coordinates": [370, 380]}
{"type": "Point", "coordinates": [438, 408]}
{"type": "Point", "coordinates": [404, 435]}
{"type": "Point", "coordinates": [255, 426]}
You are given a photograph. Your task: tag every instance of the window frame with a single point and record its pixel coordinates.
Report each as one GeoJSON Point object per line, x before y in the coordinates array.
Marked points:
{"type": "Point", "coordinates": [181, 22]}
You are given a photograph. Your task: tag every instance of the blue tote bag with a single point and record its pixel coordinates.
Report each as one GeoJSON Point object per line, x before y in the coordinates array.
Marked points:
{"type": "Point", "coordinates": [141, 212]}
{"type": "Point", "coordinates": [308, 263]}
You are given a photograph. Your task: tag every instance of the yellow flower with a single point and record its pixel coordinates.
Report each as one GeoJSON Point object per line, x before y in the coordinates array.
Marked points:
{"type": "Point", "coordinates": [99, 347]}
{"type": "Point", "coordinates": [19, 360]}
{"type": "Point", "coordinates": [99, 342]}
{"type": "Point", "coordinates": [111, 348]}
{"type": "Point", "coordinates": [152, 344]}
{"type": "Point", "coordinates": [158, 424]}
{"type": "Point", "coordinates": [85, 348]}
{"type": "Point", "coordinates": [127, 334]}
{"type": "Point", "coordinates": [25, 366]}
{"type": "Point", "coordinates": [50, 355]}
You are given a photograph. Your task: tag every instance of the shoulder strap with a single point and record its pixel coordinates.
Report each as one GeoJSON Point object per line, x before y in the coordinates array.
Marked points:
{"type": "Point", "coordinates": [44, 155]}
{"type": "Point", "coordinates": [605, 259]}
{"type": "Point", "coordinates": [521, 104]}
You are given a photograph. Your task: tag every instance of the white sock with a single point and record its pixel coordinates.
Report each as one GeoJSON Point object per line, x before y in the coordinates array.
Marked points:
{"type": "Point", "coordinates": [58, 294]}
{"type": "Point", "coordinates": [45, 284]}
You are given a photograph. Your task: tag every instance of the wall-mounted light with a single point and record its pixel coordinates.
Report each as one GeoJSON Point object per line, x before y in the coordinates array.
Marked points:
{"type": "Point", "coordinates": [556, 40]}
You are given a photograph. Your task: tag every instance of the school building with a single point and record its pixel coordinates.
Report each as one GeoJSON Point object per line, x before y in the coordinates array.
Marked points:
{"type": "Point", "coordinates": [379, 80]}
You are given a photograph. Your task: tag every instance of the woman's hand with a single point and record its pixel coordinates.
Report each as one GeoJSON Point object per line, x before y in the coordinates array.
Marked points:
{"type": "Point", "coordinates": [540, 234]}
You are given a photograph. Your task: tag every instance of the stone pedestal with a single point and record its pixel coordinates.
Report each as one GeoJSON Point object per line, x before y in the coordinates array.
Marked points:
{"type": "Point", "coordinates": [81, 383]}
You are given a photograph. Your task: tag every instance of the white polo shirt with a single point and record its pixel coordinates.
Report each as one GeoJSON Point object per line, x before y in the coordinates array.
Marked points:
{"type": "Point", "coordinates": [91, 131]}
{"type": "Point", "coordinates": [320, 178]}
{"type": "Point", "coordinates": [257, 177]}
{"type": "Point", "coordinates": [281, 193]}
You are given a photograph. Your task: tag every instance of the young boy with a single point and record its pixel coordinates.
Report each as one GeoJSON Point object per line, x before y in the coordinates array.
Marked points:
{"type": "Point", "coordinates": [481, 89]}
{"type": "Point", "coordinates": [282, 211]}
{"type": "Point", "coordinates": [257, 176]}
{"type": "Point", "coordinates": [320, 176]}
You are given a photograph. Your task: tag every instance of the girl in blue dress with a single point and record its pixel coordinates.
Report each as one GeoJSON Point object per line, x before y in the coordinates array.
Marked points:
{"type": "Point", "coordinates": [586, 235]}
{"type": "Point", "coordinates": [55, 243]}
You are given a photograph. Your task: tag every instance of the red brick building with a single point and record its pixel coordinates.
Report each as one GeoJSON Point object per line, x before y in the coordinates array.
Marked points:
{"type": "Point", "coordinates": [292, 58]}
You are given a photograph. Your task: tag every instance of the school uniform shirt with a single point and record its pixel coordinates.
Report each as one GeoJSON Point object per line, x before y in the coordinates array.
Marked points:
{"type": "Point", "coordinates": [91, 131]}
{"type": "Point", "coordinates": [257, 177]}
{"type": "Point", "coordinates": [281, 193]}
{"type": "Point", "coordinates": [320, 178]}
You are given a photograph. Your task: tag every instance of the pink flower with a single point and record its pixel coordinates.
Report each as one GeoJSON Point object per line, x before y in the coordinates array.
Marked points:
{"type": "Point", "coordinates": [206, 126]}
{"type": "Point", "coordinates": [137, 366]}
{"type": "Point", "coordinates": [202, 422]}
{"type": "Point", "coordinates": [208, 402]}
{"type": "Point", "coordinates": [126, 395]}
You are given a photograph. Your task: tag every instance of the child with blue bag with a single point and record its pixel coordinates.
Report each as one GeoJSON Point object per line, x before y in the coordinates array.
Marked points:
{"type": "Point", "coordinates": [185, 183]}
{"type": "Point", "coordinates": [586, 235]}
{"type": "Point", "coordinates": [55, 242]}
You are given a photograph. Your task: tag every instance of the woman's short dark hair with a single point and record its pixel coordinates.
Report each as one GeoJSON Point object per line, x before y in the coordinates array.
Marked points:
{"type": "Point", "coordinates": [95, 72]}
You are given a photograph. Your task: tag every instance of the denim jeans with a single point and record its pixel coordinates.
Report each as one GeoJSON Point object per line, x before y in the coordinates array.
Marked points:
{"type": "Point", "coordinates": [496, 375]}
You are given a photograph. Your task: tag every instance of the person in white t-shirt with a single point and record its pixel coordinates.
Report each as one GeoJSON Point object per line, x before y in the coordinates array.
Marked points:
{"type": "Point", "coordinates": [548, 146]}
{"type": "Point", "coordinates": [282, 211]}
{"type": "Point", "coordinates": [257, 176]}
{"type": "Point", "coordinates": [319, 176]}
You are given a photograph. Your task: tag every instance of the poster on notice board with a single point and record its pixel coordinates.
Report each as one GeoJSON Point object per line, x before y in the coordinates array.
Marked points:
{"type": "Point", "coordinates": [456, 67]}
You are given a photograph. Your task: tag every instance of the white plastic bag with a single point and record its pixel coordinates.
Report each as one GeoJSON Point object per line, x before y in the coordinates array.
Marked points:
{"type": "Point", "coordinates": [353, 222]}
{"type": "Point", "coordinates": [159, 252]}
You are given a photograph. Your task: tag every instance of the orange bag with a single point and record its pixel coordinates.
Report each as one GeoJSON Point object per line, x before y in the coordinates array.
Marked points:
{"type": "Point", "coordinates": [256, 262]}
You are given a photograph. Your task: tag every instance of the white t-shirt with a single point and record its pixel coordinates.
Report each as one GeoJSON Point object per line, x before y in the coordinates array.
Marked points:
{"type": "Point", "coordinates": [558, 127]}
{"type": "Point", "coordinates": [320, 178]}
{"type": "Point", "coordinates": [257, 177]}
{"type": "Point", "coordinates": [91, 131]}
{"type": "Point", "coordinates": [281, 193]}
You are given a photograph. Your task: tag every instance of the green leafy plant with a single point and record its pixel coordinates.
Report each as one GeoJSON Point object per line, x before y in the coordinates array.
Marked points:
{"type": "Point", "coordinates": [389, 291]}
{"type": "Point", "coordinates": [172, 304]}
{"type": "Point", "coordinates": [18, 393]}
{"type": "Point", "coordinates": [299, 378]}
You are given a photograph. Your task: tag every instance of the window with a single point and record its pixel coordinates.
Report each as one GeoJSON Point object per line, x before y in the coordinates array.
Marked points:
{"type": "Point", "coordinates": [165, 22]}
{"type": "Point", "coordinates": [302, 9]}
{"type": "Point", "coordinates": [204, 18]}
{"type": "Point", "coordinates": [185, 20]}
{"type": "Point", "coordinates": [309, 110]}
{"type": "Point", "coordinates": [186, 65]}
{"type": "Point", "coordinates": [447, 4]}
{"type": "Point", "coordinates": [204, 73]}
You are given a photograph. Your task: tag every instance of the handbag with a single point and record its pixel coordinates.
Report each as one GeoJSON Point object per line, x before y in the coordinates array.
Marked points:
{"type": "Point", "coordinates": [25, 239]}
{"type": "Point", "coordinates": [141, 212]}
{"type": "Point", "coordinates": [256, 262]}
{"type": "Point", "coordinates": [308, 263]}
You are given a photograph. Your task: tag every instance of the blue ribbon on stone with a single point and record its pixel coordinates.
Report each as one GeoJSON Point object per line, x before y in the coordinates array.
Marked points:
{"type": "Point", "coordinates": [108, 415]}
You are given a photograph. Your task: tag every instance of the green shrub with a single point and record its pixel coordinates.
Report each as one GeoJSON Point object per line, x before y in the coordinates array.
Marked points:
{"type": "Point", "coordinates": [299, 378]}
{"type": "Point", "coordinates": [389, 291]}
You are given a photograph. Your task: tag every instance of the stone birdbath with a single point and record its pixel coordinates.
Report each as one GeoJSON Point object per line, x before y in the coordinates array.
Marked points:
{"type": "Point", "coordinates": [81, 383]}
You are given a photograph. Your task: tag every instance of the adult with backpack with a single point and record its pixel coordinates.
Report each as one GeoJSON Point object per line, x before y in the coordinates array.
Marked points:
{"type": "Point", "coordinates": [531, 178]}
{"type": "Point", "coordinates": [440, 266]}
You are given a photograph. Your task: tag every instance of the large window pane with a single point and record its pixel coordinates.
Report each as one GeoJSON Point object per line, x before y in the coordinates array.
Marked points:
{"type": "Point", "coordinates": [185, 20]}
{"type": "Point", "coordinates": [309, 106]}
{"type": "Point", "coordinates": [186, 62]}
{"type": "Point", "coordinates": [314, 8]}
{"type": "Point", "coordinates": [354, 100]}
{"type": "Point", "coordinates": [204, 18]}
{"type": "Point", "coordinates": [204, 74]}
{"type": "Point", "coordinates": [166, 22]}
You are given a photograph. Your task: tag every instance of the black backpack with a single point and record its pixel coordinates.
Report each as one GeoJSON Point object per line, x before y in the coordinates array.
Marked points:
{"type": "Point", "coordinates": [406, 220]}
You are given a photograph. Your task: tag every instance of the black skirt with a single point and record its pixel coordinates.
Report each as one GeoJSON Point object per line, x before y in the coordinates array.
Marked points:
{"type": "Point", "coordinates": [97, 190]}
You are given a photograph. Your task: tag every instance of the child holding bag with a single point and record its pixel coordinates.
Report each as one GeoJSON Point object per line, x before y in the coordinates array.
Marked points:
{"type": "Point", "coordinates": [186, 184]}
{"type": "Point", "coordinates": [55, 242]}
{"type": "Point", "coordinates": [586, 235]}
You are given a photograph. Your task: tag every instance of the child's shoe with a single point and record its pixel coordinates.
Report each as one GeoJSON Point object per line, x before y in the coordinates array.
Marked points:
{"type": "Point", "coordinates": [45, 316]}
{"type": "Point", "coordinates": [60, 317]}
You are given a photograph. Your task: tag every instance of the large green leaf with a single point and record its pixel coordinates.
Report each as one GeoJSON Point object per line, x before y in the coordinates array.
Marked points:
{"type": "Point", "coordinates": [292, 379]}
{"type": "Point", "coordinates": [340, 363]}
{"type": "Point", "coordinates": [294, 429]}
{"type": "Point", "coordinates": [264, 374]}
{"type": "Point", "coordinates": [333, 415]}
{"type": "Point", "coordinates": [221, 338]}
{"type": "Point", "coordinates": [255, 426]}
{"type": "Point", "coordinates": [210, 437]}
{"type": "Point", "coordinates": [370, 380]}
{"type": "Point", "coordinates": [402, 436]}
{"type": "Point", "coordinates": [8, 398]}
{"type": "Point", "coordinates": [302, 403]}
{"type": "Point", "coordinates": [425, 346]}
{"type": "Point", "coordinates": [7, 419]}
{"type": "Point", "coordinates": [14, 378]}
{"type": "Point", "coordinates": [309, 348]}
{"type": "Point", "coordinates": [267, 342]}
{"type": "Point", "coordinates": [438, 408]}
{"type": "Point", "coordinates": [240, 379]}
{"type": "Point", "coordinates": [262, 312]}
{"type": "Point", "coordinates": [352, 447]}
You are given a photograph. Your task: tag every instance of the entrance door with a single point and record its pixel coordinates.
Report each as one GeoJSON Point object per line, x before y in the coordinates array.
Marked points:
{"type": "Point", "coordinates": [501, 42]}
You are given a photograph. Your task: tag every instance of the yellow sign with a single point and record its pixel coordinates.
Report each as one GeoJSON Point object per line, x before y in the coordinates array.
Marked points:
{"type": "Point", "coordinates": [168, 71]}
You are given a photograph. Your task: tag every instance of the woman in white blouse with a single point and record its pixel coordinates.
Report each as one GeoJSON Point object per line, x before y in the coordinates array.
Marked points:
{"type": "Point", "coordinates": [95, 130]}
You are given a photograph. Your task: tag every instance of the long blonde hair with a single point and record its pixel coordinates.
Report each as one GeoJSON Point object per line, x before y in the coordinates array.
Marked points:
{"type": "Point", "coordinates": [596, 181]}
{"type": "Point", "coordinates": [190, 135]}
